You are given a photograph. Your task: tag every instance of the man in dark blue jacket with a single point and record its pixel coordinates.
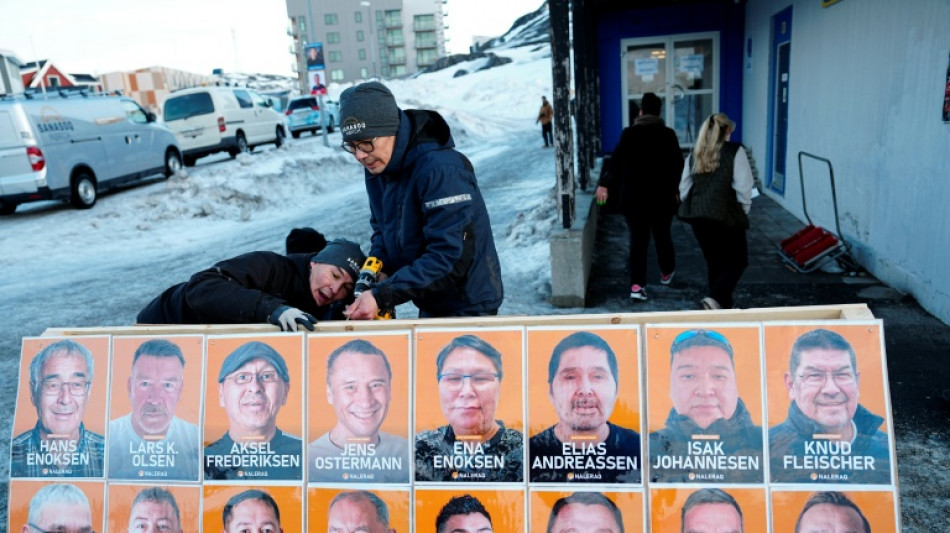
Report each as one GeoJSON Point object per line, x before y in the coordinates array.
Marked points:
{"type": "Point", "coordinates": [430, 224]}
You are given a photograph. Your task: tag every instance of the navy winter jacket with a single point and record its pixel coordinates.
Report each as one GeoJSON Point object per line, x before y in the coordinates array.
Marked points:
{"type": "Point", "coordinates": [430, 225]}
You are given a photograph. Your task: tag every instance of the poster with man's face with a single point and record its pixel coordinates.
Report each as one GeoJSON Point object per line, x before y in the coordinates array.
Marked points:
{"type": "Point", "coordinates": [474, 432]}
{"type": "Point", "coordinates": [168, 508]}
{"type": "Point", "coordinates": [611, 511]}
{"type": "Point", "coordinates": [705, 398]}
{"type": "Point", "coordinates": [358, 510]}
{"type": "Point", "coordinates": [253, 421]}
{"type": "Point", "coordinates": [584, 405]}
{"type": "Point", "coordinates": [241, 508]}
{"type": "Point", "coordinates": [358, 426]}
{"type": "Point", "coordinates": [708, 509]}
{"type": "Point", "coordinates": [59, 425]}
{"type": "Point", "coordinates": [155, 408]}
{"type": "Point", "coordinates": [468, 510]}
{"type": "Point", "coordinates": [822, 509]}
{"type": "Point", "coordinates": [60, 505]}
{"type": "Point", "coordinates": [828, 403]}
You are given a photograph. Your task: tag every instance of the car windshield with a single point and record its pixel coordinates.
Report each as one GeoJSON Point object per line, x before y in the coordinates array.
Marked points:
{"type": "Point", "coordinates": [188, 105]}
{"type": "Point", "coordinates": [302, 103]}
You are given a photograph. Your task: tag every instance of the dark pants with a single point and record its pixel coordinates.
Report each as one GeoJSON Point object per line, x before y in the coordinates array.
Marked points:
{"type": "Point", "coordinates": [727, 255]}
{"type": "Point", "coordinates": [642, 223]}
{"type": "Point", "coordinates": [546, 132]}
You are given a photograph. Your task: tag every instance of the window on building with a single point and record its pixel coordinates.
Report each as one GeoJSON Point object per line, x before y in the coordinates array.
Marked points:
{"type": "Point", "coordinates": [393, 18]}
{"type": "Point", "coordinates": [426, 57]}
{"type": "Point", "coordinates": [335, 56]}
{"type": "Point", "coordinates": [333, 37]}
{"type": "Point", "coordinates": [397, 56]}
{"type": "Point", "coordinates": [423, 22]}
{"type": "Point", "coordinates": [398, 70]}
{"type": "Point", "coordinates": [360, 36]}
{"type": "Point", "coordinates": [426, 39]}
{"type": "Point", "coordinates": [336, 74]}
{"type": "Point", "coordinates": [394, 37]}
{"type": "Point", "coordinates": [330, 19]}
{"type": "Point", "coordinates": [364, 73]}
{"type": "Point", "coordinates": [362, 54]}
{"type": "Point", "coordinates": [358, 17]}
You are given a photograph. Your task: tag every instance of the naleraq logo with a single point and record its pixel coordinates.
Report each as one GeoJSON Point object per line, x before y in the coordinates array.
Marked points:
{"type": "Point", "coordinates": [352, 126]}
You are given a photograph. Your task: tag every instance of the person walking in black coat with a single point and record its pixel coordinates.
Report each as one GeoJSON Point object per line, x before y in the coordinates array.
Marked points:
{"type": "Point", "coordinates": [644, 172]}
{"type": "Point", "coordinates": [259, 287]}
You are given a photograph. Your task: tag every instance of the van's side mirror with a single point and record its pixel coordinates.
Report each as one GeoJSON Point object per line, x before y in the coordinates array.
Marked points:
{"type": "Point", "coordinates": [150, 117]}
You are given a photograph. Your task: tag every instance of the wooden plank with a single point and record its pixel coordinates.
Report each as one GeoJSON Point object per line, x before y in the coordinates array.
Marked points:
{"type": "Point", "coordinates": [764, 314]}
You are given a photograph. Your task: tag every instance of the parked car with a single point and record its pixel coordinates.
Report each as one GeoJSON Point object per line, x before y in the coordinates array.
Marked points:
{"type": "Point", "coordinates": [305, 115]}
{"type": "Point", "coordinates": [208, 120]}
{"type": "Point", "coordinates": [72, 146]}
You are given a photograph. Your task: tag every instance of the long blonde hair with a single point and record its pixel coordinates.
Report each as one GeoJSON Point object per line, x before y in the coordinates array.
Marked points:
{"type": "Point", "coordinates": [712, 134]}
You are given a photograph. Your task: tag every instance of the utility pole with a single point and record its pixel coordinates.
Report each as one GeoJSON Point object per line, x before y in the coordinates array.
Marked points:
{"type": "Point", "coordinates": [372, 35]}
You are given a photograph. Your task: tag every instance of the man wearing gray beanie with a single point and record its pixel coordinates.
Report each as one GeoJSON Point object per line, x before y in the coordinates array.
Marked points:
{"type": "Point", "coordinates": [258, 287]}
{"type": "Point", "coordinates": [430, 225]}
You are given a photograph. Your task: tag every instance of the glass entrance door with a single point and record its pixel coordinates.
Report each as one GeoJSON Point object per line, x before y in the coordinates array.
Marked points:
{"type": "Point", "coordinates": [683, 70]}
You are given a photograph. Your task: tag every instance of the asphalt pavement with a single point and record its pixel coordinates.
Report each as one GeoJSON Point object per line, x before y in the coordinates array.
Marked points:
{"type": "Point", "coordinates": [916, 343]}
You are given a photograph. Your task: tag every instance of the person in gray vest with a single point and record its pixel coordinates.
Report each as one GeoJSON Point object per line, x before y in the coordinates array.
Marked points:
{"type": "Point", "coordinates": [716, 196]}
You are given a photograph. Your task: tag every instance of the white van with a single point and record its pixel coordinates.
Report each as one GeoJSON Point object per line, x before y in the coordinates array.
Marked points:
{"type": "Point", "coordinates": [75, 145]}
{"type": "Point", "coordinates": [207, 120]}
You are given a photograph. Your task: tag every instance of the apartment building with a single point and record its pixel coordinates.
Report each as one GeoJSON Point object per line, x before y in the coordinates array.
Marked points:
{"type": "Point", "coordinates": [364, 39]}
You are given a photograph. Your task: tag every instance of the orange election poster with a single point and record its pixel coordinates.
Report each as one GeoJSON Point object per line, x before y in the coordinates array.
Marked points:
{"type": "Point", "coordinates": [584, 405]}
{"type": "Point", "coordinates": [154, 508]}
{"type": "Point", "coordinates": [155, 408]}
{"type": "Point", "coordinates": [828, 403]}
{"type": "Point", "coordinates": [814, 510]}
{"type": "Point", "coordinates": [571, 512]}
{"type": "Point", "coordinates": [62, 505]}
{"type": "Point", "coordinates": [693, 509]}
{"type": "Point", "coordinates": [467, 509]}
{"type": "Point", "coordinates": [360, 510]}
{"type": "Point", "coordinates": [62, 433]}
{"type": "Point", "coordinates": [366, 439]}
{"type": "Point", "coordinates": [254, 407]}
{"type": "Point", "coordinates": [704, 391]}
{"type": "Point", "coordinates": [475, 431]}
{"type": "Point", "coordinates": [253, 508]}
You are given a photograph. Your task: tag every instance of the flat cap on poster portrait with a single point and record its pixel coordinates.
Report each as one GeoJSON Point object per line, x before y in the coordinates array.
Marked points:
{"type": "Point", "coordinates": [249, 352]}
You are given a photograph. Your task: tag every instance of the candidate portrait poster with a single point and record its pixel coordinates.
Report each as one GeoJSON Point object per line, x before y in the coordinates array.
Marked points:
{"type": "Point", "coordinates": [253, 430]}
{"type": "Point", "coordinates": [705, 404]}
{"type": "Point", "coordinates": [56, 493]}
{"type": "Point", "coordinates": [155, 408]}
{"type": "Point", "coordinates": [355, 512]}
{"type": "Point", "coordinates": [358, 416]}
{"type": "Point", "coordinates": [829, 415]}
{"type": "Point", "coordinates": [847, 509]}
{"type": "Point", "coordinates": [136, 507]}
{"type": "Point", "coordinates": [586, 510]}
{"type": "Point", "coordinates": [707, 506]}
{"type": "Point", "coordinates": [584, 404]}
{"type": "Point", "coordinates": [505, 509]}
{"type": "Point", "coordinates": [253, 506]}
{"type": "Point", "coordinates": [313, 53]}
{"type": "Point", "coordinates": [62, 434]}
{"type": "Point", "coordinates": [470, 414]}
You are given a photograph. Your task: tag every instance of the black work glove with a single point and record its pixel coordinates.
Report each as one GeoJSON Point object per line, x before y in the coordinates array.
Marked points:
{"type": "Point", "coordinates": [288, 317]}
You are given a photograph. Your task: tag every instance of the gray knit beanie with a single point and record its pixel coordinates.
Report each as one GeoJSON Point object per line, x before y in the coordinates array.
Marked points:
{"type": "Point", "coordinates": [368, 110]}
{"type": "Point", "coordinates": [344, 254]}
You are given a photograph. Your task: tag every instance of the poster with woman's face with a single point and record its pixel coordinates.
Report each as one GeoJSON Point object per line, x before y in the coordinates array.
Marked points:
{"type": "Point", "coordinates": [155, 408]}
{"type": "Point", "coordinates": [475, 431]}
{"type": "Point", "coordinates": [254, 407]}
{"type": "Point", "coordinates": [705, 396]}
{"type": "Point", "coordinates": [818, 510]}
{"type": "Point", "coordinates": [58, 505]}
{"type": "Point", "coordinates": [559, 511]}
{"type": "Point", "coordinates": [170, 508]}
{"type": "Point", "coordinates": [241, 508]}
{"type": "Point", "coordinates": [707, 509]}
{"type": "Point", "coordinates": [358, 510]}
{"type": "Point", "coordinates": [828, 403]}
{"type": "Point", "coordinates": [470, 510]}
{"type": "Point", "coordinates": [584, 404]}
{"type": "Point", "coordinates": [60, 421]}
{"type": "Point", "coordinates": [364, 381]}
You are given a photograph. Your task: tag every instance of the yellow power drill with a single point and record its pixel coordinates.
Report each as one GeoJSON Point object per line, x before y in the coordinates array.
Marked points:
{"type": "Point", "coordinates": [369, 276]}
